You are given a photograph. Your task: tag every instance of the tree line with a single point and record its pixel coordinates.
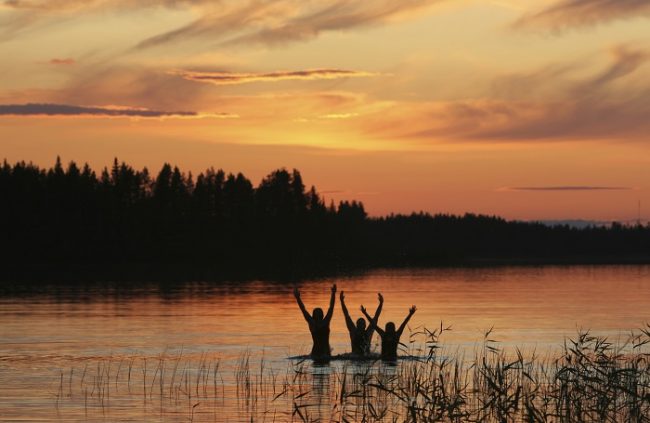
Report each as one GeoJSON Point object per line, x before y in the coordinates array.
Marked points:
{"type": "Point", "coordinates": [71, 217]}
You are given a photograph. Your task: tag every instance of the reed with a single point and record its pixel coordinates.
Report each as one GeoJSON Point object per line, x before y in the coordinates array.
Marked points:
{"type": "Point", "coordinates": [588, 379]}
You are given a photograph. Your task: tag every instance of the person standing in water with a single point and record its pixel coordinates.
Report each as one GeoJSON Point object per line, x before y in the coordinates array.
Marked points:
{"type": "Point", "coordinates": [361, 334]}
{"type": "Point", "coordinates": [319, 326]}
{"type": "Point", "coordinates": [390, 336]}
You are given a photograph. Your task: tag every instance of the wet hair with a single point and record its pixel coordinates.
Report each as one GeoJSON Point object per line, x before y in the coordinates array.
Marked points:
{"type": "Point", "coordinates": [361, 323]}
{"type": "Point", "coordinates": [317, 314]}
{"type": "Point", "coordinates": [390, 327]}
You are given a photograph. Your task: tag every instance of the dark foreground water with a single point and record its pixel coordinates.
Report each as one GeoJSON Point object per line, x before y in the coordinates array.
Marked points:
{"type": "Point", "coordinates": [200, 352]}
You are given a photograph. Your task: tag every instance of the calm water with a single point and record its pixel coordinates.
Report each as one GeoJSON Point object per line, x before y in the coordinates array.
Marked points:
{"type": "Point", "coordinates": [67, 356]}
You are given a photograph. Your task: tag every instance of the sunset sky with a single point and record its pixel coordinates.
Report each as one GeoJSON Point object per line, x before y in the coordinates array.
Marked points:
{"type": "Point", "coordinates": [530, 109]}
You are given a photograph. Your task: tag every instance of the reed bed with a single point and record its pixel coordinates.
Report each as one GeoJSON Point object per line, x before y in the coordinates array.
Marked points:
{"type": "Point", "coordinates": [587, 379]}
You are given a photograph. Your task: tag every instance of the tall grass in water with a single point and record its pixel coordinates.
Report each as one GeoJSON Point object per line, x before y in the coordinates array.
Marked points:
{"type": "Point", "coordinates": [589, 379]}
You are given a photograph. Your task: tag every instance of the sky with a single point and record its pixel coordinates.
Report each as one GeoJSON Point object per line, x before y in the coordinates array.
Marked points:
{"type": "Point", "coordinates": [533, 110]}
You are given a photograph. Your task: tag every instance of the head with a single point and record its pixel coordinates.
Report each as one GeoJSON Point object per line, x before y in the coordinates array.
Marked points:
{"type": "Point", "coordinates": [361, 323]}
{"type": "Point", "coordinates": [317, 314]}
{"type": "Point", "coordinates": [390, 327]}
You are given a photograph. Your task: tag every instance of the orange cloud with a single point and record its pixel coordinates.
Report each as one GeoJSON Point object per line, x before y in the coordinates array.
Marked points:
{"type": "Point", "coordinates": [234, 21]}
{"type": "Point", "coordinates": [339, 115]}
{"type": "Point", "coordinates": [598, 107]}
{"type": "Point", "coordinates": [581, 13]}
{"type": "Point", "coordinates": [334, 16]}
{"type": "Point", "coordinates": [132, 85]}
{"type": "Point", "coordinates": [284, 21]}
{"type": "Point", "coordinates": [65, 5]}
{"type": "Point", "coordinates": [586, 118]}
{"type": "Point", "coordinates": [567, 188]}
{"type": "Point", "coordinates": [233, 78]}
{"type": "Point", "coordinates": [66, 61]}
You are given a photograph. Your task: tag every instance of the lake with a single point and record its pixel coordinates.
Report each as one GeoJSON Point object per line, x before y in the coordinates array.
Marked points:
{"type": "Point", "coordinates": [97, 354]}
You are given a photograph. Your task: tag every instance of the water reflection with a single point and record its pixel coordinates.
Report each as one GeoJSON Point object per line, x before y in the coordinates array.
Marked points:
{"type": "Point", "coordinates": [48, 337]}
{"type": "Point", "coordinates": [321, 383]}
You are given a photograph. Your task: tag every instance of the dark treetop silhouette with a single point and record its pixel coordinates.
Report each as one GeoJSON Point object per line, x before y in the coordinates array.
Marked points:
{"type": "Point", "coordinates": [361, 334]}
{"type": "Point", "coordinates": [68, 223]}
{"type": "Point", "coordinates": [390, 337]}
{"type": "Point", "coordinates": [319, 326]}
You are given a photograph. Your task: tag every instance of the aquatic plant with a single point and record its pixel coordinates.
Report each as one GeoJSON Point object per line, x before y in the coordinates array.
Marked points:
{"type": "Point", "coordinates": [589, 379]}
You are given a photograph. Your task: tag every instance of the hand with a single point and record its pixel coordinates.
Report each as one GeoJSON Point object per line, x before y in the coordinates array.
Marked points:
{"type": "Point", "coordinates": [363, 309]}
{"type": "Point", "coordinates": [333, 288]}
{"type": "Point", "coordinates": [381, 298]}
{"type": "Point", "coordinates": [296, 293]}
{"type": "Point", "coordinates": [342, 296]}
{"type": "Point", "coordinates": [413, 309]}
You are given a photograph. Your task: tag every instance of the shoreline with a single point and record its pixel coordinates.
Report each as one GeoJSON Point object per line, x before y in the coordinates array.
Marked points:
{"type": "Point", "coordinates": [29, 278]}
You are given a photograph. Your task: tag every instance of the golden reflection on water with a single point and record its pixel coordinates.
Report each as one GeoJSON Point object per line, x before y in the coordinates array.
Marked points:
{"type": "Point", "coordinates": [48, 341]}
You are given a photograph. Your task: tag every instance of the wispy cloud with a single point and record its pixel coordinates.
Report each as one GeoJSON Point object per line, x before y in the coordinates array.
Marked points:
{"type": "Point", "coordinates": [25, 14]}
{"type": "Point", "coordinates": [233, 78]}
{"type": "Point", "coordinates": [626, 61]}
{"type": "Point", "coordinates": [131, 85]}
{"type": "Point", "coordinates": [608, 105]}
{"type": "Point", "coordinates": [566, 188]}
{"type": "Point", "coordinates": [48, 109]}
{"type": "Point", "coordinates": [65, 62]}
{"type": "Point", "coordinates": [283, 21]}
{"type": "Point", "coordinates": [582, 13]}
{"type": "Point", "coordinates": [222, 22]}
{"type": "Point", "coordinates": [231, 18]}
{"type": "Point", "coordinates": [337, 15]}
{"type": "Point", "coordinates": [65, 5]}
{"type": "Point", "coordinates": [339, 115]}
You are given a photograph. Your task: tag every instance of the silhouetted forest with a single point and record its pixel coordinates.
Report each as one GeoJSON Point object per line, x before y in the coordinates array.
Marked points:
{"type": "Point", "coordinates": [66, 220]}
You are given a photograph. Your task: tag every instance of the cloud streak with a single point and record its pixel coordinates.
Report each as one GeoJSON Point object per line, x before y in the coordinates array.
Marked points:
{"type": "Point", "coordinates": [225, 22]}
{"type": "Point", "coordinates": [337, 15]}
{"type": "Point", "coordinates": [583, 13]}
{"type": "Point", "coordinates": [50, 109]}
{"type": "Point", "coordinates": [234, 78]}
{"type": "Point", "coordinates": [88, 5]}
{"type": "Point", "coordinates": [65, 62]}
{"type": "Point", "coordinates": [26, 13]}
{"type": "Point", "coordinates": [609, 105]}
{"type": "Point", "coordinates": [567, 188]}
{"type": "Point", "coordinates": [284, 21]}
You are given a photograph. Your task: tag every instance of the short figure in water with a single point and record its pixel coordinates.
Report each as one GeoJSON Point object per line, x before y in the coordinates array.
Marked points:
{"type": "Point", "coordinates": [390, 336]}
{"type": "Point", "coordinates": [361, 334]}
{"type": "Point", "coordinates": [319, 326]}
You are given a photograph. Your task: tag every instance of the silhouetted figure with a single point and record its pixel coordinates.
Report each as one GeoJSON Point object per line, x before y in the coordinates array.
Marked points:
{"type": "Point", "coordinates": [361, 334]}
{"type": "Point", "coordinates": [319, 326]}
{"type": "Point", "coordinates": [390, 336]}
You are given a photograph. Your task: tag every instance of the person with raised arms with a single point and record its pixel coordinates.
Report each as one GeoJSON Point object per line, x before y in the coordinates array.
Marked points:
{"type": "Point", "coordinates": [390, 337]}
{"type": "Point", "coordinates": [319, 326]}
{"type": "Point", "coordinates": [361, 334]}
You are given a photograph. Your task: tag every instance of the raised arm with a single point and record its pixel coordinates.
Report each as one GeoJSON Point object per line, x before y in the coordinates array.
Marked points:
{"type": "Point", "coordinates": [373, 321]}
{"type": "Point", "coordinates": [330, 311]}
{"type": "Point", "coordinates": [296, 293]}
{"type": "Point", "coordinates": [370, 319]}
{"type": "Point", "coordinates": [411, 313]}
{"type": "Point", "coordinates": [348, 320]}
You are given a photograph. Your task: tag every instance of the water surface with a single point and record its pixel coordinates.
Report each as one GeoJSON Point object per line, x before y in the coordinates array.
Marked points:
{"type": "Point", "coordinates": [51, 342]}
